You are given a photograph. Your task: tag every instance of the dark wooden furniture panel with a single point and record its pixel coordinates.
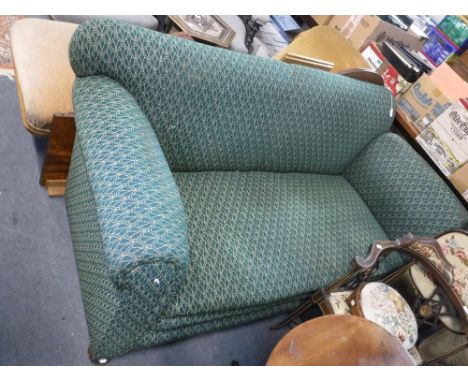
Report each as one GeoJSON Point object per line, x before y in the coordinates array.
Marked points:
{"type": "Point", "coordinates": [57, 159]}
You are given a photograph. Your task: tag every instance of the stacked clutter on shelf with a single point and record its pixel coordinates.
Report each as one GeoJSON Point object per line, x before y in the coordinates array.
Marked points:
{"type": "Point", "coordinates": [398, 66]}
{"type": "Point", "coordinates": [446, 142]}
{"type": "Point", "coordinates": [362, 30]}
{"type": "Point", "coordinates": [277, 33]}
{"type": "Point", "coordinates": [424, 63]}
{"type": "Point", "coordinates": [388, 43]}
{"type": "Point", "coordinates": [445, 39]}
{"type": "Point", "coordinates": [436, 105]}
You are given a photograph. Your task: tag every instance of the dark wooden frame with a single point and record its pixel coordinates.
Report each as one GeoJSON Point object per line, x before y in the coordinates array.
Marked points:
{"type": "Point", "coordinates": [58, 156]}
{"type": "Point", "coordinates": [417, 248]}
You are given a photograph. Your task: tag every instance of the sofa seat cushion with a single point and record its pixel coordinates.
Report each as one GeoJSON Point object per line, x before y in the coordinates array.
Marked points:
{"type": "Point", "coordinates": [261, 238]}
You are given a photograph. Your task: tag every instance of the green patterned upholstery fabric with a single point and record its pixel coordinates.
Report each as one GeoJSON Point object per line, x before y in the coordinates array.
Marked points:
{"type": "Point", "coordinates": [403, 192]}
{"type": "Point", "coordinates": [209, 188]}
{"type": "Point", "coordinates": [215, 109]}
{"type": "Point", "coordinates": [134, 192]}
{"type": "Point", "coordinates": [257, 237]}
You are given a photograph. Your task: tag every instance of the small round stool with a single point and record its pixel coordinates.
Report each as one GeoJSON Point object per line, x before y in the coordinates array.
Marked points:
{"type": "Point", "coordinates": [339, 340]}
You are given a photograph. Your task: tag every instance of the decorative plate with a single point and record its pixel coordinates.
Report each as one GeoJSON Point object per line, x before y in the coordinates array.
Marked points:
{"type": "Point", "coordinates": [383, 305]}
{"type": "Point", "coordinates": [455, 248]}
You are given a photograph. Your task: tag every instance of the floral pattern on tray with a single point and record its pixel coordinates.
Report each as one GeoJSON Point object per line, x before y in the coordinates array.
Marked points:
{"type": "Point", "coordinates": [455, 248]}
{"type": "Point", "coordinates": [383, 305]}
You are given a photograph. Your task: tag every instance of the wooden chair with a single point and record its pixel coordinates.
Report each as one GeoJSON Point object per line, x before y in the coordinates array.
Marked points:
{"type": "Point", "coordinates": [44, 81]}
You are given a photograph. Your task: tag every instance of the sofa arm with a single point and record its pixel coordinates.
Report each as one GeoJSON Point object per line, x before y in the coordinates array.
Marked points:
{"type": "Point", "coordinates": [141, 219]}
{"type": "Point", "coordinates": [402, 191]}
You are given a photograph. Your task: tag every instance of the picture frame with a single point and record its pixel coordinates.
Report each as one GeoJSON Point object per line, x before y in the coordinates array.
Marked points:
{"type": "Point", "coordinates": [205, 27]}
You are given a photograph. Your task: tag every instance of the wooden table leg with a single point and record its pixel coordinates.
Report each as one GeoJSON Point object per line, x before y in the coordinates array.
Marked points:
{"type": "Point", "coordinates": [59, 149]}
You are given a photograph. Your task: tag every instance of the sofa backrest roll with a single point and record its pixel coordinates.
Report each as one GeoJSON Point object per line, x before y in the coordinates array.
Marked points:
{"type": "Point", "coordinates": [217, 110]}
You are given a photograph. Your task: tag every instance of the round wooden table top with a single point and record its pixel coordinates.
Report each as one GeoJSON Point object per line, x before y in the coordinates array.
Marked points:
{"type": "Point", "coordinates": [339, 340]}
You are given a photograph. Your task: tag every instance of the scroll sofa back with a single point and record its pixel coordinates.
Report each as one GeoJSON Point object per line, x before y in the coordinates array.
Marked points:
{"type": "Point", "coordinates": [214, 109]}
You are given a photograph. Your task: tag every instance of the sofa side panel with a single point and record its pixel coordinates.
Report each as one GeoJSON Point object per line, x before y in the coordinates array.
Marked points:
{"type": "Point", "coordinates": [403, 192]}
{"type": "Point", "coordinates": [129, 263]}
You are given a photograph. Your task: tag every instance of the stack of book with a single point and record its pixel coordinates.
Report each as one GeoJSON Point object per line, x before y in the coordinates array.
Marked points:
{"type": "Point", "coordinates": [398, 66]}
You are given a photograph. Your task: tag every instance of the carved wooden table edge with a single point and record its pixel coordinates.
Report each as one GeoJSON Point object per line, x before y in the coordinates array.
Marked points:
{"type": "Point", "coordinates": [58, 155]}
{"type": "Point", "coordinates": [339, 340]}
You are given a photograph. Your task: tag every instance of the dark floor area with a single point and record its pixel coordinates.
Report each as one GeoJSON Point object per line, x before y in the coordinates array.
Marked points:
{"type": "Point", "coordinates": [41, 315]}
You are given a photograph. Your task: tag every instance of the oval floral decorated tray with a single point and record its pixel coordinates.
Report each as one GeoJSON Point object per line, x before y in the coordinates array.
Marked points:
{"type": "Point", "coordinates": [455, 248]}
{"type": "Point", "coordinates": [383, 305]}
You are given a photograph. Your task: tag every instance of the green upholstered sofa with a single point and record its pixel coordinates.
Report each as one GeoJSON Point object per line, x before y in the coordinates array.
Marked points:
{"type": "Point", "coordinates": [209, 188]}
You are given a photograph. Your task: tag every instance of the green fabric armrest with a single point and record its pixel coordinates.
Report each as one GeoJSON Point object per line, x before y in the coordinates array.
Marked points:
{"type": "Point", "coordinates": [126, 217]}
{"type": "Point", "coordinates": [403, 192]}
{"type": "Point", "coordinates": [142, 223]}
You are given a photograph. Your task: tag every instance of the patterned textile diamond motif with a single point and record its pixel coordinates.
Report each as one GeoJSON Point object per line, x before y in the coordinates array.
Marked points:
{"type": "Point", "coordinates": [204, 193]}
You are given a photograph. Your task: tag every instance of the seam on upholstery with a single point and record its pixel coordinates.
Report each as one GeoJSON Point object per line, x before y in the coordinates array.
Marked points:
{"type": "Point", "coordinates": [364, 150]}
{"type": "Point", "coordinates": [141, 263]}
{"type": "Point", "coordinates": [370, 210]}
{"type": "Point", "coordinates": [99, 217]}
{"type": "Point", "coordinates": [117, 307]}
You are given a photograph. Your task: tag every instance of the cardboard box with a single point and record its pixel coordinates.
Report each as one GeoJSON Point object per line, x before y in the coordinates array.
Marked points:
{"type": "Point", "coordinates": [322, 19]}
{"type": "Point", "coordinates": [449, 82]}
{"type": "Point", "coordinates": [430, 96]}
{"type": "Point", "coordinates": [460, 180]}
{"type": "Point", "coordinates": [446, 139]}
{"type": "Point", "coordinates": [423, 102]}
{"type": "Point", "coordinates": [372, 28]}
{"type": "Point", "coordinates": [338, 22]}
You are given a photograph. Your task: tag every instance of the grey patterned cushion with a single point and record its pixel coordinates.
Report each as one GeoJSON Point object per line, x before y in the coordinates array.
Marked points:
{"type": "Point", "coordinates": [204, 192]}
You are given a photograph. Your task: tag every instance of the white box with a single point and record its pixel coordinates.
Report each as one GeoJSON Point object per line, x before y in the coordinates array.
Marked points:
{"type": "Point", "coordinates": [446, 139]}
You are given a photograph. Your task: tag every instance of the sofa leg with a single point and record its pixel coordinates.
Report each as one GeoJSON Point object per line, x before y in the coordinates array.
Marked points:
{"type": "Point", "coordinates": [59, 149]}
{"type": "Point", "coordinates": [97, 361]}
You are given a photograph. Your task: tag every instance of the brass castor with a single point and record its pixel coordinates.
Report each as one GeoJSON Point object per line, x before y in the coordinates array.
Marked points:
{"type": "Point", "coordinates": [97, 361]}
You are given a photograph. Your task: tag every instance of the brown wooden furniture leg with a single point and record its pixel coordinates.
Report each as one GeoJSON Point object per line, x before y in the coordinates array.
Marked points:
{"type": "Point", "coordinates": [59, 149]}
